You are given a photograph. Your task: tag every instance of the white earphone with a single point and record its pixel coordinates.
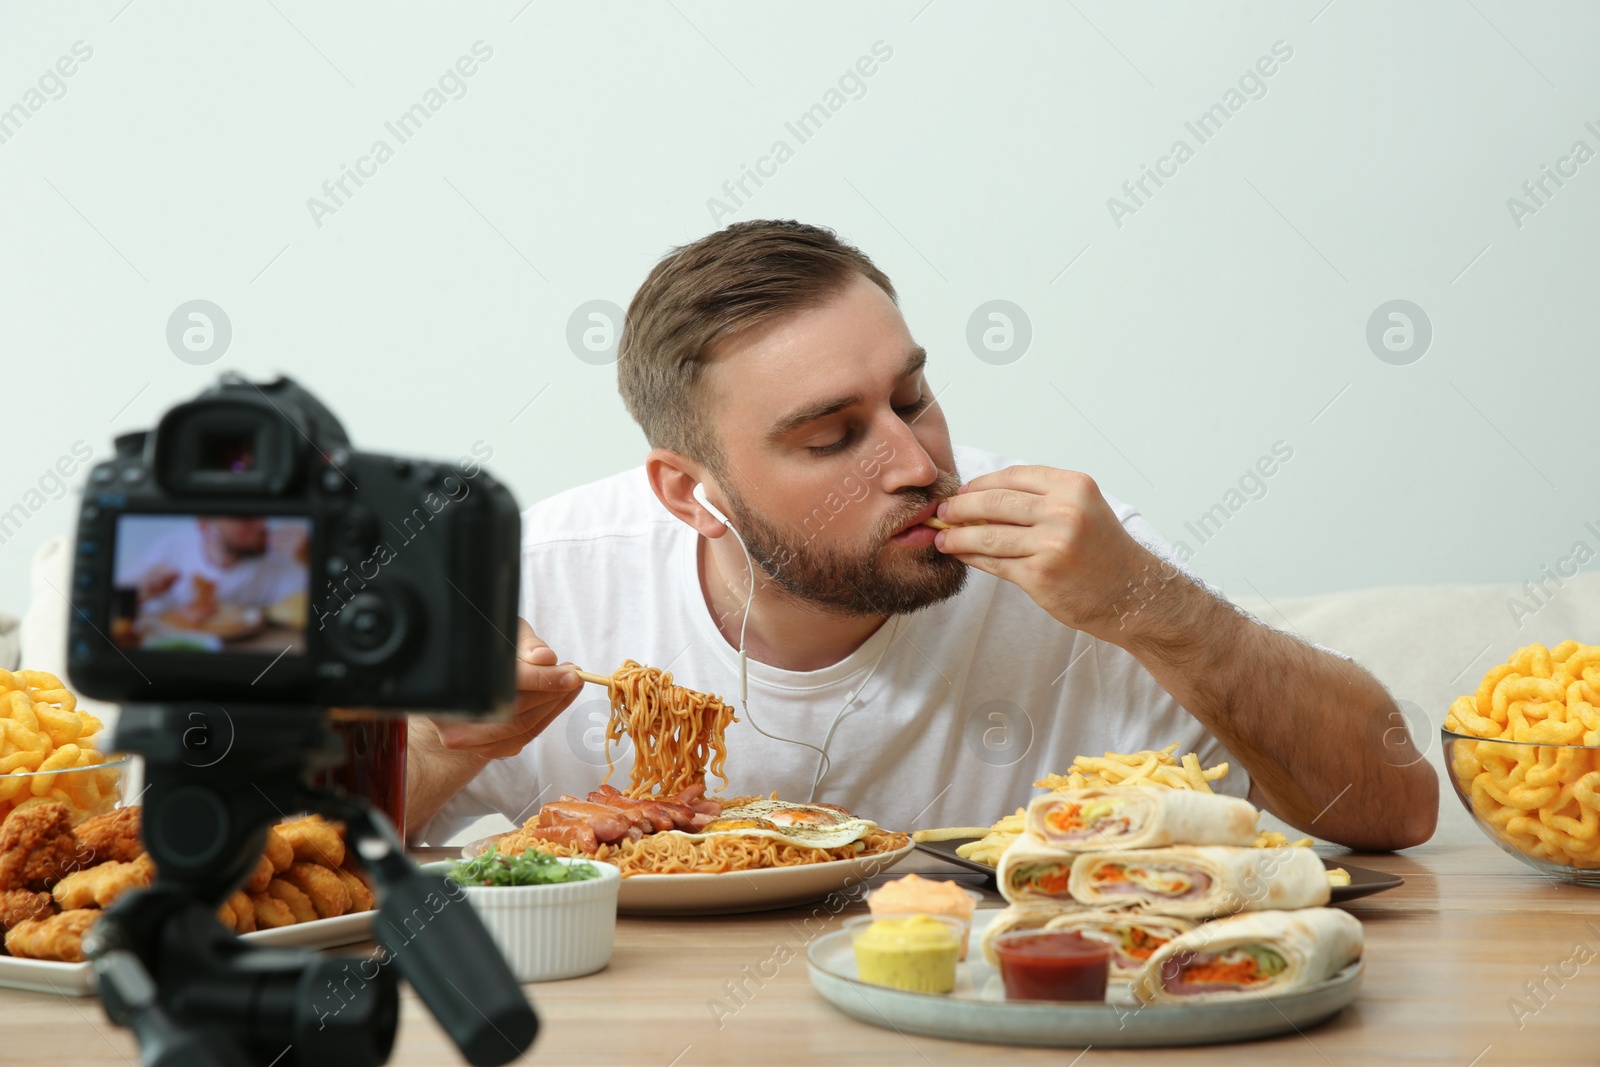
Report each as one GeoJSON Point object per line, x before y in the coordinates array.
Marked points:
{"type": "Point", "coordinates": [700, 495]}
{"type": "Point", "coordinates": [823, 761]}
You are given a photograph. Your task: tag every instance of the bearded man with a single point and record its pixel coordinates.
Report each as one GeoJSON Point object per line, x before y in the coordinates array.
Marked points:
{"type": "Point", "coordinates": [915, 676]}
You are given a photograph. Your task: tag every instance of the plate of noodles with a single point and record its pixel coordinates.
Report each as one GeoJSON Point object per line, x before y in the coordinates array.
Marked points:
{"type": "Point", "coordinates": [725, 872]}
{"type": "Point", "coordinates": [680, 850]}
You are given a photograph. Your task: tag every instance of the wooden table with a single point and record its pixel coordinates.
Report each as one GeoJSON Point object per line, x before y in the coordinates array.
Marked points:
{"type": "Point", "coordinates": [1447, 955]}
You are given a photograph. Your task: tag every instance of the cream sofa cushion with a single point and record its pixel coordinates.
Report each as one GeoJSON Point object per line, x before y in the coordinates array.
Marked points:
{"type": "Point", "coordinates": [10, 642]}
{"type": "Point", "coordinates": [1430, 644]}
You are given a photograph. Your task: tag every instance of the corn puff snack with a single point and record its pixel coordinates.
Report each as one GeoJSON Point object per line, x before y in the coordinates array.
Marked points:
{"type": "Point", "coordinates": [1540, 795]}
{"type": "Point", "coordinates": [42, 732]}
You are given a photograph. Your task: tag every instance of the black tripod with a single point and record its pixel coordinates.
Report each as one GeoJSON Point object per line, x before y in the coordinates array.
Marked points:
{"type": "Point", "coordinates": [196, 995]}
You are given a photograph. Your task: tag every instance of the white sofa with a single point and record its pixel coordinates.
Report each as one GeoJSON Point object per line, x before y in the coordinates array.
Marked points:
{"type": "Point", "coordinates": [1428, 644]}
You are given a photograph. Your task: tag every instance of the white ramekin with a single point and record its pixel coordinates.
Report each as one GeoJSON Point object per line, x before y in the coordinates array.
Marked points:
{"type": "Point", "coordinates": [548, 932]}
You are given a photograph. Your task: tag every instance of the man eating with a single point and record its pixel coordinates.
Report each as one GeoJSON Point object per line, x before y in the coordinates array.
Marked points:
{"type": "Point", "coordinates": [916, 676]}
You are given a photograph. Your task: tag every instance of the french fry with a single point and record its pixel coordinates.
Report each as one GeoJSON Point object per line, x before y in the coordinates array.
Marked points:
{"type": "Point", "coordinates": [1152, 767]}
{"type": "Point", "coordinates": [1277, 839]}
{"type": "Point", "coordinates": [948, 833]}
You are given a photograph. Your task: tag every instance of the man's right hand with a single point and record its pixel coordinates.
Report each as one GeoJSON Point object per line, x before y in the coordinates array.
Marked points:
{"type": "Point", "coordinates": [156, 581]}
{"type": "Point", "coordinates": [545, 688]}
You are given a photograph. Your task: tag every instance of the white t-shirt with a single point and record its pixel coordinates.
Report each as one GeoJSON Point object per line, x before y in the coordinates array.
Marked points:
{"type": "Point", "coordinates": [978, 696]}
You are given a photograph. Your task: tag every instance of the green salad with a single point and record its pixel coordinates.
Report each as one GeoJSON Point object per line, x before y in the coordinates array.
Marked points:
{"type": "Point", "coordinates": [531, 868]}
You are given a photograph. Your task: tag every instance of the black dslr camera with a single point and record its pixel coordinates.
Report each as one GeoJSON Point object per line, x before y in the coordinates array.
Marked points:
{"type": "Point", "coordinates": [246, 532]}
{"type": "Point", "coordinates": [239, 572]}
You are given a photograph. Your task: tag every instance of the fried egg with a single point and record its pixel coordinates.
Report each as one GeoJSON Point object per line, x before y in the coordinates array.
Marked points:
{"type": "Point", "coordinates": [806, 825]}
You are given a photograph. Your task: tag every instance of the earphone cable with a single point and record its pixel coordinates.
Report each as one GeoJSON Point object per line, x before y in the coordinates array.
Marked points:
{"type": "Point", "coordinates": [744, 667]}
{"type": "Point", "coordinates": [824, 761]}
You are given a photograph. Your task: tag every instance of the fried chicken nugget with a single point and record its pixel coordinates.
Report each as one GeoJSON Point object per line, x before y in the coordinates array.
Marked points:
{"type": "Point", "coordinates": [113, 836]}
{"type": "Point", "coordinates": [271, 912]}
{"type": "Point", "coordinates": [99, 886]}
{"type": "Point", "coordinates": [327, 890]}
{"type": "Point", "coordinates": [361, 897]}
{"type": "Point", "coordinates": [244, 912]}
{"type": "Point", "coordinates": [37, 846]}
{"type": "Point", "coordinates": [278, 850]}
{"type": "Point", "coordinates": [257, 883]}
{"type": "Point", "coordinates": [21, 905]}
{"type": "Point", "coordinates": [291, 894]}
{"type": "Point", "coordinates": [315, 840]}
{"type": "Point", "coordinates": [238, 913]}
{"type": "Point", "coordinates": [59, 937]}
{"type": "Point", "coordinates": [275, 857]}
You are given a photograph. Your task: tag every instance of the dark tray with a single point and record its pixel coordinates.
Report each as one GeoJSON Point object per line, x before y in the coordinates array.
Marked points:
{"type": "Point", "coordinates": [1363, 881]}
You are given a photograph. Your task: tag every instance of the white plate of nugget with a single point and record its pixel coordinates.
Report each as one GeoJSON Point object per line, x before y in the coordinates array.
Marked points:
{"type": "Point", "coordinates": [68, 850]}
{"type": "Point", "coordinates": [55, 879]}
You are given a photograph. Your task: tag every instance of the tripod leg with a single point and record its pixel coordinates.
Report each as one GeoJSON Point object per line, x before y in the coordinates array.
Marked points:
{"type": "Point", "coordinates": [439, 944]}
{"type": "Point", "coordinates": [129, 996]}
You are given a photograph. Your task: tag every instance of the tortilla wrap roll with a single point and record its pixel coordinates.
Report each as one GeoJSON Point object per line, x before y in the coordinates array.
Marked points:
{"type": "Point", "coordinates": [1032, 916]}
{"type": "Point", "coordinates": [1138, 816]}
{"type": "Point", "coordinates": [1200, 881]}
{"type": "Point", "coordinates": [1135, 936]}
{"type": "Point", "coordinates": [1031, 872]}
{"type": "Point", "coordinates": [1263, 953]}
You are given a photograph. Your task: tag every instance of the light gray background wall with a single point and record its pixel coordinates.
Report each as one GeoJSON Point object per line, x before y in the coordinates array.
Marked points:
{"type": "Point", "coordinates": [1171, 345]}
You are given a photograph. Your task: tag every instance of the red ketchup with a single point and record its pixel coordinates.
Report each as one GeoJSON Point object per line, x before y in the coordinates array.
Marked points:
{"type": "Point", "coordinates": [1053, 965]}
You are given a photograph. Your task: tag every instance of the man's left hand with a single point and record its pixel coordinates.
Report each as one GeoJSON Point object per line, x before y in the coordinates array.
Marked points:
{"type": "Point", "coordinates": [1052, 533]}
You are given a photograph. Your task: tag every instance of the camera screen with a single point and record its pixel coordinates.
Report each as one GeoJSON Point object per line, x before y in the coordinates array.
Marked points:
{"type": "Point", "coordinates": [212, 583]}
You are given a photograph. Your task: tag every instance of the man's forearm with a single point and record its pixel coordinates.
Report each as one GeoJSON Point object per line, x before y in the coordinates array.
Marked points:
{"type": "Point", "coordinates": [1321, 738]}
{"type": "Point", "coordinates": [434, 773]}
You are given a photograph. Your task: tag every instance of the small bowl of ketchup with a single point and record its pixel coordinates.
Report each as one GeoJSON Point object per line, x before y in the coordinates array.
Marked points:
{"type": "Point", "coordinates": [1053, 965]}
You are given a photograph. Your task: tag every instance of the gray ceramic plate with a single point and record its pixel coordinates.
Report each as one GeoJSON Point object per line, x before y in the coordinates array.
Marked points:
{"type": "Point", "coordinates": [978, 1011]}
